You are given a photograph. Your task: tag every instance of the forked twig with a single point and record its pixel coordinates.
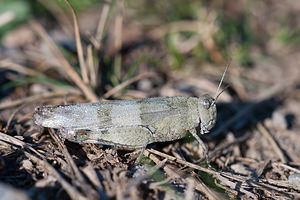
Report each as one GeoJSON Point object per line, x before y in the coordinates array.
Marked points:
{"type": "Point", "coordinates": [171, 158]}
{"type": "Point", "coordinates": [20, 144]}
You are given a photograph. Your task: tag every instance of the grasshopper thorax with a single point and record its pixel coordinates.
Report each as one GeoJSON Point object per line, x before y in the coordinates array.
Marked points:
{"type": "Point", "coordinates": [207, 112]}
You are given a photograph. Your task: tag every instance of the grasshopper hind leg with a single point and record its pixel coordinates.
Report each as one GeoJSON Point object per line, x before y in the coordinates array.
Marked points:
{"type": "Point", "coordinates": [151, 132]}
{"type": "Point", "coordinates": [142, 152]}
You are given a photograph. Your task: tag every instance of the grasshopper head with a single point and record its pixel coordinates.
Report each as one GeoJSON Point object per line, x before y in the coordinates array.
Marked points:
{"type": "Point", "coordinates": [207, 113]}
{"type": "Point", "coordinates": [207, 109]}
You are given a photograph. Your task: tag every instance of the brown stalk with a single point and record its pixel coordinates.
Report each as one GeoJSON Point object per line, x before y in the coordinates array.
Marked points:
{"type": "Point", "coordinates": [118, 28]}
{"type": "Point", "coordinates": [91, 66]}
{"type": "Point", "coordinates": [83, 67]}
{"type": "Point", "coordinates": [101, 24]}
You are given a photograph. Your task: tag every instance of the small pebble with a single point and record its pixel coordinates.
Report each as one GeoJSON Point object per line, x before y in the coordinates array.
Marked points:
{"type": "Point", "coordinates": [279, 120]}
{"type": "Point", "coordinates": [241, 169]}
{"type": "Point", "coordinates": [27, 164]}
{"type": "Point", "coordinates": [294, 179]}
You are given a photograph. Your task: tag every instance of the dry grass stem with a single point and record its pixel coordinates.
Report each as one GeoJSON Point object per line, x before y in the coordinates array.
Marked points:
{"type": "Point", "coordinates": [126, 83]}
{"type": "Point", "coordinates": [101, 24]}
{"type": "Point", "coordinates": [8, 64]}
{"type": "Point", "coordinates": [272, 141]}
{"type": "Point", "coordinates": [14, 103]}
{"type": "Point", "coordinates": [93, 71]}
{"type": "Point", "coordinates": [118, 27]}
{"type": "Point", "coordinates": [83, 67]}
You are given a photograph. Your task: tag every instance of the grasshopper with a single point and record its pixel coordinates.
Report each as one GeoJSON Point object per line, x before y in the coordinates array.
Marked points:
{"type": "Point", "coordinates": [132, 123]}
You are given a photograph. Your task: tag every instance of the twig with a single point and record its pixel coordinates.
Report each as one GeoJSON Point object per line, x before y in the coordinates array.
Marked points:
{"type": "Point", "coordinates": [203, 188]}
{"type": "Point", "coordinates": [221, 175]}
{"type": "Point", "coordinates": [12, 116]}
{"type": "Point", "coordinates": [65, 64]}
{"type": "Point", "coordinates": [171, 158]}
{"type": "Point", "coordinates": [227, 189]}
{"type": "Point", "coordinates": [91, 174]}
{"type": "Point", "coordinates": [73, 193]}
{"type": "Point", "coordinates": [189, 193]}
{"type": "Point", "coordinates": [274, 144]}
{"type": "Point", "coordinates": [167, 169]}
{"type": "Point", "coordinates": [252, 182]}
{"type": "Point", "coordinates": [251, 160]}
{"type": "Point", "coordinates": [287, 167]}
{"type": "Point", "coordinates": [11, 140]}
{"type": "Point", "coordinates": [83, 67]}
{"type": "Point", "coordinates": [210, 194]}
{"type": "Point", "coordinates": [126, 83]}
{"type": "Point", "coordinates": [8, 64]}
{"type": "Point", "coordinates": [280, 183]}
{"type": "Point", "coordinates": [226, 145]}
{"type": "Point", "coordinates": [82, 183]}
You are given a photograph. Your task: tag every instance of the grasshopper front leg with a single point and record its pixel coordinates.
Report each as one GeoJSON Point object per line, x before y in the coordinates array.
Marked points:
{"type": "Point", "coordinates": [194, 134]}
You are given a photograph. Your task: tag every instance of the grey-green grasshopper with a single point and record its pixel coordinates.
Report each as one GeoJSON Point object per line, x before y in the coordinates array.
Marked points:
{"type": "Point", "coordinates": [132, 123]}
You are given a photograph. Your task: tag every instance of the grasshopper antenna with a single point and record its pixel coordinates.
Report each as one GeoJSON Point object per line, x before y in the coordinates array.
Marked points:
{"type": "Point", "coordinates": [217, 95]}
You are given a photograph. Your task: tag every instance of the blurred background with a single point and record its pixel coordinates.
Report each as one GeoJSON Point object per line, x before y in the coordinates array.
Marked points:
{"type": "Point", "coordinates": [140, 49]}
{"type": "Point", "coordinates": [174, 39]}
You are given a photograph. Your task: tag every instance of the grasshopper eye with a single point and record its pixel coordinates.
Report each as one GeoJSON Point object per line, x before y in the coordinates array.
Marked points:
{"type": "Point", "coordinates": [206, 103]}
